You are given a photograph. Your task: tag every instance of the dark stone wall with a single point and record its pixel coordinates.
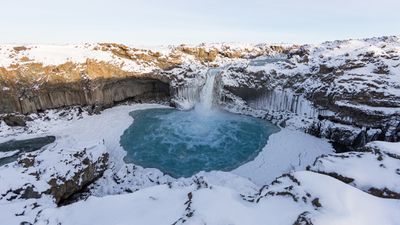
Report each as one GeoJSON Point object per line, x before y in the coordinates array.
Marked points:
{"type": "Point", "coordinates": [104, 92]}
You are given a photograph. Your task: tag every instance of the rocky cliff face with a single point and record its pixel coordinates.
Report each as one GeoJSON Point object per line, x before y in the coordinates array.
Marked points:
{"type": "Point", "coordinates": [39, 77]}
{"type": "Point", "coordinates": [100, 92]}
{"type": "Point", "coordinates": [347, 91]}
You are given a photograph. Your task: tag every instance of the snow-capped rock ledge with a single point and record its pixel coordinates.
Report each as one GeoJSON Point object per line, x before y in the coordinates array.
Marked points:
{"type": "Point", "coordinates": [376, 172]}
{"type": "Point", "coordinates": [58, 172]}
{"type": "Point", "coordinates": [346, 91]}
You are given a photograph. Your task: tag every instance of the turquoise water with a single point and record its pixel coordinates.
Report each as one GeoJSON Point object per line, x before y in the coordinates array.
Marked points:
{"type": "Point", "coordinates": [182, 143]}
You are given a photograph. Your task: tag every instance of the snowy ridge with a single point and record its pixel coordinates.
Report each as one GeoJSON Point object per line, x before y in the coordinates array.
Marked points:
{"type": "Point", "coordinates": [342, 67]}
{"type": "Point", "coordinates": [60, 54]}
{"type": "Point", "coordinates": [220, 205]}
{"type": "Point", "coordinates": [382, 178]}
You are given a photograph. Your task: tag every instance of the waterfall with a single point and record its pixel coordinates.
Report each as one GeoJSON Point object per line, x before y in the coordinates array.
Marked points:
{"type": "Point", "coordinates": [195, 95]}
{"type": "Point", "coordinates": [206, 99]}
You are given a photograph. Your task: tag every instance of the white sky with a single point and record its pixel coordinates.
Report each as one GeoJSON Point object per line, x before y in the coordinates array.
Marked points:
{"type": "Point", "coordinates": [153, 22]}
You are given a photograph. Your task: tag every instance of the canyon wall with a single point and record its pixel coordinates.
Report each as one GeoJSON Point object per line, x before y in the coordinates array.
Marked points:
{"type": "Point", "coordinates": [102, 92]}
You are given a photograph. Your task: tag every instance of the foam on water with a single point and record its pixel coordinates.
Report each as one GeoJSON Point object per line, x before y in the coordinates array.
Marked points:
{"type": "Point", "coordinates": [182, 143]}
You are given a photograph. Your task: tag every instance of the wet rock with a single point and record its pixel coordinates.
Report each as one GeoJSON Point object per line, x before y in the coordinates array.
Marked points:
{"type": "Point", "coordinates": [384, 193]}
{"type": "Point", "coordinates": [343, 137]}
{"type": "Point", "coordinates": [351, 64]}
{"type": "Point", "coordinates": [391, 130]}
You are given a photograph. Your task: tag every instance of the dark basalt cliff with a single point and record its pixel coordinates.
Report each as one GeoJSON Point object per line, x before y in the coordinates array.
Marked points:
{"type": "Point", "coordinates": [102, 92]}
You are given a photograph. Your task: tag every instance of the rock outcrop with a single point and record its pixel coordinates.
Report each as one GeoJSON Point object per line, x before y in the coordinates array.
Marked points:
{"type": "Point", "coordinates": [374, 169]}
{"type": "Point", "coordinates": [336, 85]}
{"type": "Point", "coordinates": [56, 172]}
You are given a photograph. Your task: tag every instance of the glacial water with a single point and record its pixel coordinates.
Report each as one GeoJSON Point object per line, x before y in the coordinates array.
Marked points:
{"type": "Point", "coordinates": [20, 146]}
{"type": "Point", "coordinates": [182, 143]}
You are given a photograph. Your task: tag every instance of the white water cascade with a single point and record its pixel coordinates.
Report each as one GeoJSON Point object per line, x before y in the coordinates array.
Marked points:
{"type": "Point", "coordinates": [197, 96]}
{"type": "Point", "coordinates": [206, 98]}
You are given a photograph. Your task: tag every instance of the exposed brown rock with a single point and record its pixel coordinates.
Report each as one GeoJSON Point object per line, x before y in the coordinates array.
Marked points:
{"type": "Point", "coordinates": [14, 120]}
{"type": "Point", "coordinates": [20, 48]}
{"type": "Point", "coordinates": [384, 193]}
{"type": "Point", "coordinates": [200, 53]}
{"type": "Point", "coordinates": [27, 161]}
{"type": "Point", "coordinates": [62, 189]}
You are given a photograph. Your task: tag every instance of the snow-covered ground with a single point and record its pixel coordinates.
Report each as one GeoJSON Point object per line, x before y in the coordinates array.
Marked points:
{"type": "Point", "coordinates": [367, 171]}
{"type": "Point", "coordinates": [280, 155]}
{"type": "Point", "coordinates": [107, 126]}
{"type": "Point", "coordinates": [208, 197]}
{"type": "Point", "coordinates": [73, 130]}
{"type": "Point", "coordinates": [284, 153]}
{"type": "Point", "coordinates": [337, 204]}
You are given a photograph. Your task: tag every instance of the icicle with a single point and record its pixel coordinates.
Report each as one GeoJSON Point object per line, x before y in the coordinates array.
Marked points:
{"type": "Point", "coordinates": [284, 100]}
{"type": "Point", "coordinates": [185, 97]}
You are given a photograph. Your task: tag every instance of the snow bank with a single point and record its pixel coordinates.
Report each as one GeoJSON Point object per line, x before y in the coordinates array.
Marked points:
{"type": "Point", "coordinates": [375, 173]}
{"type": "Point", "coordinates": [222, 205]}
{"type": "Point", "coordinates": [286, 151]}
{"type": "Point", "coordinates": [387, 147]}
